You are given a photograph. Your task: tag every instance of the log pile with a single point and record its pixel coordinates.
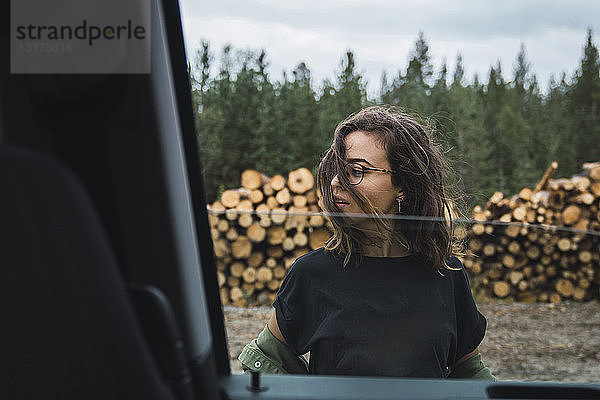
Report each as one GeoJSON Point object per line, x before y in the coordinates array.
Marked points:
{"type": "Point", "coordinates": [541, 245]}
{"type": "Point", "coordinates": [259, 230]}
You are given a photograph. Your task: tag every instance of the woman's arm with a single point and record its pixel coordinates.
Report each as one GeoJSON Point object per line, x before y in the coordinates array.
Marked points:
{"type": "Point", "coordinates": [269, 353]}
{"type": "Point", "coordinates": [274, 328]}
{"type": "Point", "coordinates": [467, 356]}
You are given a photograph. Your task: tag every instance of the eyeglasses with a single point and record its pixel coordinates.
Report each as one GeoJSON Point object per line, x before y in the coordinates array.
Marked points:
{"type": "Point", "coordinates": [356, 172]}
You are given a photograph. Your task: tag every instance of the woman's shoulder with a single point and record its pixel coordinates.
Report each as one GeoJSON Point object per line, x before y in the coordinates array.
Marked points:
{"type": "Point", "coordinates": [316, 255]}
{"type": "Point", "coordinates": [454, 269]}
{"type": "Point", "coordinates": [453, 263]}
{"type": "Point", "coordinates": [314, 261]}
{"type": "Point", "coordinates": [457, 273]}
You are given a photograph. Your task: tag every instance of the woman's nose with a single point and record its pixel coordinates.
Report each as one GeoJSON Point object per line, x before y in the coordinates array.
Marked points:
{"type": "Point", "coordinates": [335, 181]}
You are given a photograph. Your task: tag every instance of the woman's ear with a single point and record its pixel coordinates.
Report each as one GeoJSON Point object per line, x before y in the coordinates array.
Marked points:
{"type": "Point", "coordinates": [400, 198]}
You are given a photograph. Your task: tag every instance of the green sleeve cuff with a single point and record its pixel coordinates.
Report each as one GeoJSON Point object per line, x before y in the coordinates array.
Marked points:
{"type": "Point", "coordinates": [268, 355]}
{"type": "Point", "coordinates": [473, 368]}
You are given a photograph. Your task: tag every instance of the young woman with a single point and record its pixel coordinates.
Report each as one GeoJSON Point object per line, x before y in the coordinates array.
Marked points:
{"type": "Point", "coordinates": [386, 296]}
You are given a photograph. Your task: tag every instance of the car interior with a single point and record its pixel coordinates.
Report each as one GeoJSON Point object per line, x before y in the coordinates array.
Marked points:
{"type": "Point", "coordinates": [108, 280]}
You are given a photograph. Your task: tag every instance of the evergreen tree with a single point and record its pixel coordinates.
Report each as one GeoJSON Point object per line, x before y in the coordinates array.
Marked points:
{"type": "Point", "coordinates": [267, 157]}
{"type": "Point", "coordinates": [521, 72]}
{"type": "Point", "coordinates": [440, 90]}
{"type": "Point", "coordinates": [351, 91]}
{"type": "Point", "coordinates": [385, 89]}
{"type": "Point", "coordinates": [498, 135]}
{"type": "Point", "coordinates": [420, 69]}
{"type": "Point", "coordinates": [329, 115]}
{"type": "Point", "coordinates": [500, 155]}
{"type": "Point", "coordinates": [525, 103]}
{"type": "Point", "coordinates": [412, 90]}
{"type": "Point", "coordinates": [228, 124]}
{"type": "Point", "coordinates": [585, 106]}
{"type": "Point", "coordinates": [339, 100]}
{"type": "Point", "coordinates": [203, 61]}
{"type": "Point", "coordinates": [534, 115]}
{"type": "Point", "coordinates": [556, 124]}
{"type": "Point", "coordinates": [471, 154]}
{"type": "Point", "coordinates": [459, 71]}
{"type": "Point", "coordinates": [297, 110]}
{"type": "Point", "coordinates": [211, 120]}
{"type": "Point", "coordinates": [440, 110]}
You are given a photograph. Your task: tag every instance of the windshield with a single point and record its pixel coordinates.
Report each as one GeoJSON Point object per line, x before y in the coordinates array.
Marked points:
{"type": "Point", "coordinates": [507, 179]}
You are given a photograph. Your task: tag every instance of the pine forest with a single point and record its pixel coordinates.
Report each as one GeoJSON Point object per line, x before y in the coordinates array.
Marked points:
{"type": "Point", "coordinates": [500, 132]}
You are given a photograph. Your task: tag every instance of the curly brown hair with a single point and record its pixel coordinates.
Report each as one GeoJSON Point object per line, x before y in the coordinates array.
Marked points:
{"type": "Point", "coordinates": [419, 168]}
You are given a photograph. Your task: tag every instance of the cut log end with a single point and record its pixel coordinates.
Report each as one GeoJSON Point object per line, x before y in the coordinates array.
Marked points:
{"type": "Point", "coordinates": [230, 198]}
{"type": "Point", "coordinates": [241, 247]}
{"type": "Point", "coordinates": [277, 182]}
{"type": "Point", "coordinates": [251, 179]}
{"type": "Point", "coordinates": [283, 196]}
{"type": "Point", "coordinates": [501, 289]}
{"type": "Point", "coordinates": [564, 287]}
{"type": "Point", "coordinates": [571, 214]}
{"type": "Point", "coordinates": [300, 181]}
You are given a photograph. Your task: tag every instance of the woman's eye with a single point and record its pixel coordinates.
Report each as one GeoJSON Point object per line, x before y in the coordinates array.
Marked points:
{"type": "Point", "coordinates": [356, 171]}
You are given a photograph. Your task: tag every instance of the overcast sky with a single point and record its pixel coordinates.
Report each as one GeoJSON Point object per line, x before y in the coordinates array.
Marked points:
{"type": "Point", "coordinates": [382, 33]}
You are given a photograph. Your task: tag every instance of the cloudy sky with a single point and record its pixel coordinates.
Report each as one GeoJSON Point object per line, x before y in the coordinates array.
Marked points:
{"type": "Point", "coordinates": [382, 33]}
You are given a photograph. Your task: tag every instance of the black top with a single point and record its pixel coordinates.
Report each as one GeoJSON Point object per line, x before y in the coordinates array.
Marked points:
{"type": "Point", "coordinates": [390, 316]}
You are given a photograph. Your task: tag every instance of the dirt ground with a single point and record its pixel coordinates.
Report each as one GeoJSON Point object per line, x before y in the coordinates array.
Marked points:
{"type": "Point", "coordinates": [528, 342]}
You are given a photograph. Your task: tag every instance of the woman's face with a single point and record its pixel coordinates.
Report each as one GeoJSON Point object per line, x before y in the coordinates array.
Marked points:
{"type": "Point", "coordinates": [367, 150]}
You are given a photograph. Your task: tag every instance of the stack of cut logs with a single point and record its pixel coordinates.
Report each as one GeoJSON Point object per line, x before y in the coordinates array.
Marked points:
{"type": "Point", "coordinates": [541, 245]}
{"type": "Point", "coordinates": [259, 230]}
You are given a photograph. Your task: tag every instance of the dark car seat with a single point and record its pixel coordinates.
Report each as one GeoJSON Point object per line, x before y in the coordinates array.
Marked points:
{"type": "Point", "coordinates": [68, 327]}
